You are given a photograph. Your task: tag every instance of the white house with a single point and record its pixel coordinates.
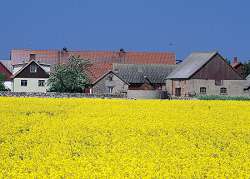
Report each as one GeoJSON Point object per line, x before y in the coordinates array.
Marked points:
{"type": "Point", "coordinates": [30, 77]}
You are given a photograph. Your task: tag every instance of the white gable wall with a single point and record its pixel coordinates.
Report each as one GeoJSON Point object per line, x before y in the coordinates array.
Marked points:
{"type": "Point", "coordinates": [32, 85]}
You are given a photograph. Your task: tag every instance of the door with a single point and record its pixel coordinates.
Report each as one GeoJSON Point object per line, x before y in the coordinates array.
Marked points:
{"type": "Point", "coordinates": [177, 91]}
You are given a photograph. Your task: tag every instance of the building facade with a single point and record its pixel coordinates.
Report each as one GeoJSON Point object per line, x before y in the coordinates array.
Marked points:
{"type": "Point", "coordinates": [31, 77]}
{"type": "Point", "coordinates": [110, 83]}
{"type": "Point", "coordinates": [135, 80]}
{"type": "Point", "coordinates": [206, 73]}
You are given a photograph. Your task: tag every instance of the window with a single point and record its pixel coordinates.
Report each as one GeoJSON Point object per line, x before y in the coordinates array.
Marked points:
{"type": "Point", "coordinates": [33, 68]}
{"type": "Point", "coordinates": [218, 82]}
{"type": "Point", "coordinates": [110, 77]}
{"type": "Point", "coordinates": [223, 91]}
{"type": "Point", "coordinates": [24, 82]}
{"type": "Point", "coordinates": [203, 90]}
{"type": "Point", "coordinates": [110, 90]}
{"type": "Point", "coordinates": [41, 82]}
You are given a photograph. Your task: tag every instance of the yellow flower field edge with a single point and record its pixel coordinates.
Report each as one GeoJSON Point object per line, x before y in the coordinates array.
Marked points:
{"type": "Point", "coordinates": [94, 138]}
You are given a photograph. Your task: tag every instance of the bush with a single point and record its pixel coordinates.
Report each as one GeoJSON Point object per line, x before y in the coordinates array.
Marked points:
{"type": "Point", "coordinates": [2, 87]}
{"type": "Point", "coordinates": [217, 97]}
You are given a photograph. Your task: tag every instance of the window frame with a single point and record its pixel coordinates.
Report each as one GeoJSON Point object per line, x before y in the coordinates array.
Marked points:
{"type": "Point", "coordinates": [24, 83]}
{"type": "Point", "coordinates": [43, 82]}
{"type": "Point", "coordinates": [33, 70]}
{"type": "Point", "coordinates": [203, 90]}
{"type": "Point", "coordinates": [110, 88]}
{"type": "Point", "coordinates": [223, 91]}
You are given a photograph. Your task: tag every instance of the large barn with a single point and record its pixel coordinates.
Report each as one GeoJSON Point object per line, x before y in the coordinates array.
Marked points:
{"type": "Point", "coordinates": [205, 73]}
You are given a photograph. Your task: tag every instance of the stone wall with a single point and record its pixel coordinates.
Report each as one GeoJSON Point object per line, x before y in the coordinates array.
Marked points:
{"type": "Point", "coordinates": [59, 95]}
{"type": "Point", "coordinates": [146, 94]}
{"type": "Point", "coordinates": [102, 86]}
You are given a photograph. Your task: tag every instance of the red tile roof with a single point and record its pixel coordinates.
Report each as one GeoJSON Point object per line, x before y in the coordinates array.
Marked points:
{"type": "Point", "coordinates": [102, 60]}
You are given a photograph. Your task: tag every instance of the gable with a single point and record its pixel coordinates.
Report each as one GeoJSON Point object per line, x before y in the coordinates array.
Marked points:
{"type": "Point", "coordinates": [191, 65]}
{"type": "Point", "coordinates": [107, 75]}
{"type": "Point", "coordinates": [217, 69]}
{"type": "Point", "coordinates": [25, 73]}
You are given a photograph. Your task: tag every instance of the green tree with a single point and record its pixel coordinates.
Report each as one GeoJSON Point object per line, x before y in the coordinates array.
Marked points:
{"type": "Point", "coordinates": [246, 69]}
{"type": "Point", "coordinates": [71, 77]}
{"type": "Point", "coordinates": [2, 87]}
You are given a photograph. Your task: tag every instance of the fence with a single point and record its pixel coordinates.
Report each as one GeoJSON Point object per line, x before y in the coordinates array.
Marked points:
{"type": "Point", "coordinates": [59, 95]}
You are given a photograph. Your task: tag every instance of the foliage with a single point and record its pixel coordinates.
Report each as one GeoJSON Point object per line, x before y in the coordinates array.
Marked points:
{"type": "Point", "coordinates": [217, 97]}
{"type": "Point", "coordinates": [70, 77]}
{"type": "Point", "coordinates": [87, 138]}
{"type": "Point", "coordinates": [2, 87]}
{"type": "Point", "coordinates": [246, 69]}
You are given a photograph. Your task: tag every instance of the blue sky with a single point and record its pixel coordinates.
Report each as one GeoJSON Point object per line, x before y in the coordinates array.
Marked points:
{"type": "Point", "coordinates": [181, 26]}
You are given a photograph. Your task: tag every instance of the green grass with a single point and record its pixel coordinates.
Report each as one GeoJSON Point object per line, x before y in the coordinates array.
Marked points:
{"type": "Point", "coordinates": [217, 97]}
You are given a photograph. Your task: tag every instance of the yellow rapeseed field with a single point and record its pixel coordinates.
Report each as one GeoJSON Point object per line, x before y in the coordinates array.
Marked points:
{"type": "Point", "coordinates": [94, 138]}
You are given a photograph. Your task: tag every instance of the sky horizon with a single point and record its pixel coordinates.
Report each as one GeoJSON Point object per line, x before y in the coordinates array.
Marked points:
{"type": "Point", "coordinates": [178, 26]}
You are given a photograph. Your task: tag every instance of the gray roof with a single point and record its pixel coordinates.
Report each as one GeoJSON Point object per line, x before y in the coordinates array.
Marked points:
{"type": "Point", "coordinates": [7, 64]}
{"type": "Point", "coordinates": [248, 77]}
{"type": "Point", "coordinates": [138, 73]}
{"type": "Point", "coordinates": [191, 65]}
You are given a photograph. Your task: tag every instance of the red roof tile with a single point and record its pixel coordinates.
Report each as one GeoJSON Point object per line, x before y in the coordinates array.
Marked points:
{"type": "Point", "coordinates": [102, 60]}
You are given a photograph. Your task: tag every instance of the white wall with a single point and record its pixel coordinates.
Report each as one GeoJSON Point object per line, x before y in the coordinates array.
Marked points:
{"type": "Point", "coordinates": [234, 87]}
{"type": "Point", "coordinates": [8, 85]}
{"type": "Point", "coordinates": [32, 85]}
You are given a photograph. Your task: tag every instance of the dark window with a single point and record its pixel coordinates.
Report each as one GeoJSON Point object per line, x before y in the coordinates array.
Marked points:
{"type": "Point", "coordinates": [177, 91]}
{"type": "Point", "coordinates": [24, 82]}
{"type": "Point", "coordinates": [110, 77]}
{"type": "Point", "coordinates": [203, 90]}
{"type": "Point", "coordinates": [218, 82]}
{"type": "Point", "coordinates": [33, 68]}
{"type": "Point", "coordinates": [110, 90]}
{"type": "Point", "coordinates": [41, 82]}
{"type": "Point", "coordinates": [32, 56]}
{"type": "Point", "coordinates": [223, 91]}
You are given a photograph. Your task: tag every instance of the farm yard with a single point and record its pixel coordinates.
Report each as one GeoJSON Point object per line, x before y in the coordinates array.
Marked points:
{"type": "Point", "coordinates": [94, 138]}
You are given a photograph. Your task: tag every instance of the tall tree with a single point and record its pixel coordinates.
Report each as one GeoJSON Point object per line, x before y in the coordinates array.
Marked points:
{"type": "Point", "coordinates": [2, 87]}
{"type": "Point", "coordinates": [71, 77]}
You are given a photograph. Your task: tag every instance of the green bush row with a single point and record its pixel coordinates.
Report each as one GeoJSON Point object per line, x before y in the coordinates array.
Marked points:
{"type": "Point", "coordinates": [216, 97]}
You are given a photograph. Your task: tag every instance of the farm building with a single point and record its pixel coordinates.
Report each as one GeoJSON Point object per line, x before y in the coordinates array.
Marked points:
{"type": "Point", "coordinates": [101, 60]}
{"type": "Point", "coordinates": [30, 77]}
{"type": "Point", "coordinates": [205, 73]}
{"type": "Point", "coordinates": [137, 81]}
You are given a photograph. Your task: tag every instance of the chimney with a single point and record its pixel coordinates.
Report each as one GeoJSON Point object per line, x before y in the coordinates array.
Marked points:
{"type": "Point", "coordinates": [235, 60]}
{"type": "Point", "coordinates": [32, 57]}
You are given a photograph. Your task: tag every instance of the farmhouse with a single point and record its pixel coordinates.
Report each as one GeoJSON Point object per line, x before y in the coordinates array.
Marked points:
{"type": "Point", "coordinates": [6, 70]}
{"type": "Point", "coordinates": [30, 77]}
{"type": "Point", "coordinates": [135, 80]}
{"type": "Point", "coordinates": [205, 73]}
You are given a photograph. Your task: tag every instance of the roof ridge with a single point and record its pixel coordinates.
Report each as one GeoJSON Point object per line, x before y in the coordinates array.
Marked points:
{"type": "Point", "coordinates": [106, 51]}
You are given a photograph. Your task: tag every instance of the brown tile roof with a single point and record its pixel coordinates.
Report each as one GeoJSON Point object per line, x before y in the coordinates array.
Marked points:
{"type": "Point", "coordinates": [102, 60]}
